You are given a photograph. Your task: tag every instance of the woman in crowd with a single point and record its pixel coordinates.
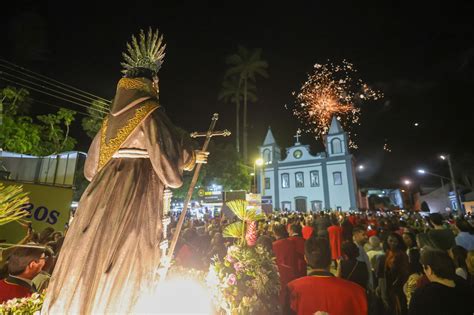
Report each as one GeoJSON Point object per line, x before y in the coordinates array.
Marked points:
{"type": "Point", "coordinates": [416, 272]}
{"type": "Point", "coordinates": [347, 228]}
{"type": "Point", "coordinates": [409, 239]}
{"type": "Point", "coordinates": [350, 268]}
{"type": "Point", "coordinates": [396, 269]}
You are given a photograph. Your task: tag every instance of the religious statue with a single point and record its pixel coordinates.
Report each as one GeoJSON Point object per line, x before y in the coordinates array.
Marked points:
{"type": "Point", "coordinates": [112, 248]}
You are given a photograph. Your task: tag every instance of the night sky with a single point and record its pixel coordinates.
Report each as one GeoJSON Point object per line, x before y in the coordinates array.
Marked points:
{"type": "Point", "coordinates": [421, 57]}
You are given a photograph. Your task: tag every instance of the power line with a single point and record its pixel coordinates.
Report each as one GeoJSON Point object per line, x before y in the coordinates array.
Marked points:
{"type": "Point", "coordinates": [47, 88]}
{"type": "Point", "coordinates": [58, 97]}
{"type": "Point", "coordinates": [45, 77]}
{"type": "Point", "coordinates": [60, 107]}
{"type": "Point", "coordinates": [37, 84]}
{"type": "Point", "coordinates": [57, 86]}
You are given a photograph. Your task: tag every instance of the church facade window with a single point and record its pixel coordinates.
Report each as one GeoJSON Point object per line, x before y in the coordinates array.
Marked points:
{"type": "Point", "coordinates": [267, 183]}
{"type": "Point", "coordinates": [316, 205]}
{"type": "Point", "coordinates": [337, 178]}
{"type": "Point", "coordinates": [285, 205]}
{"type": "Point", "coordinates": [336, 146]}
{"type": "Point", "coordinates": [285, 180]}
{"type": "Point", "coordinates": [267, 156]}
{"type": "Point", "coordinates": [299, 179]}
{"type": "Point", "coordinates": [314, 178]}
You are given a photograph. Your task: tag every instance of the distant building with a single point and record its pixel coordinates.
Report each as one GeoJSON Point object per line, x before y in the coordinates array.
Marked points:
{"type": "Point", "coordinates": [382, 198]}
{"type": "Point", "coordinates": [304, 182]}
{"type": "Point", "coordinates": [442, 199]}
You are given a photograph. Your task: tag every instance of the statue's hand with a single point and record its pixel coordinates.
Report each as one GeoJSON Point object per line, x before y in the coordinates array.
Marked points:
{"type": "Point", "coordinates": [201, 156]}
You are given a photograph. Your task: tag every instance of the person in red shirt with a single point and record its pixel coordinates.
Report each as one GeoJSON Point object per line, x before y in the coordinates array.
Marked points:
{"type": "Point", "coordinates": [353, 219]}
{"type": "Point", "coordinates": [285, 254]}
{"type": "Point", "coordinates": [307, 230]}
{"type": "Point", "coordinates": [320, 291]}
{"type": "Point", "coordinates": [371, 231]}
{"type": "Point", "coordinates": [295, 237]}
{"type": "Point", "coordinates": [335, 239]}
{"type": "Point", "coordinates": [24, 264]}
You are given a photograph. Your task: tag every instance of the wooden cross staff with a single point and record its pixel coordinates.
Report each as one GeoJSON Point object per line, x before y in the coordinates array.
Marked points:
{"type": "Point", "coordinates": [209, 134]}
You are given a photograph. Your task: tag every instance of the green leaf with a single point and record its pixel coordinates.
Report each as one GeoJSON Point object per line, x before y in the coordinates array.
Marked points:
{"type": "Point", "coordinates": [12, 198]}
{"type": "Point", "coordinates": [234, 230]}
{"type": "Point", "coordinates": [239, 208]}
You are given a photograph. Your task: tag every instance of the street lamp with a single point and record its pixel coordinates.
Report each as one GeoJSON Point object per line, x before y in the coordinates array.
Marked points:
{"type": "Point", "coordinates": [361, 167]}
{"type": "Point", "coordinates": [453, 181]}
{"type": "Point", "coordinates": [258, 162]}
{"type": "Point", "coordinates": [422, 171]}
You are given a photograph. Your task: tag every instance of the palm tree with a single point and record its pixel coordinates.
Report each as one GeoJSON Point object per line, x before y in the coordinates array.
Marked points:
{"type": "Point", "coordinates": [231, 92]}
{"type": "Point", "coordinates": [247, 65]}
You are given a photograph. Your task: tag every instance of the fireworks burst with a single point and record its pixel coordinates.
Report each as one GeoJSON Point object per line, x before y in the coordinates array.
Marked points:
{"type": "Point", "coordinates": [332, 91]}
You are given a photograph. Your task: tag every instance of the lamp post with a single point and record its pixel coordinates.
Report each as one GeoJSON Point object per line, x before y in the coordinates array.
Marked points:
{"type": "Point", "coordinates": [453, 181]}
{"type": "Point", "coordinates": [258, 162]}
{"type": "Point", "coordinates": [408, 183]}
{"type": "Point", "coordinates": [422, 171]}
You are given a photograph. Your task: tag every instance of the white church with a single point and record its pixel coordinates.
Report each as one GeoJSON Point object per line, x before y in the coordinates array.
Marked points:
{"type": "Point", "coordinates": [304, 182]}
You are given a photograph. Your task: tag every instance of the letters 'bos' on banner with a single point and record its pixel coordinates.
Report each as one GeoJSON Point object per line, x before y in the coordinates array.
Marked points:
{"type": "Point", "coordinates": [49, 206]}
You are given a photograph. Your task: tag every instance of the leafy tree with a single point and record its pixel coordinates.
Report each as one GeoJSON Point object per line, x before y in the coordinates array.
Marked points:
{"type": "Point", "coordinates": [231, 92]}
{"type": "Point", "coordinates": [14, 101]}
{"type": "Point", "coordinates": [97, 112]}
{"type": "Point", "coordinates": [57, 139]}
{"type": "Point", "coordinates": [20, 133]}
{"type": "Point", "coordinates": [17, 133]}
{"type": "Point", "coordinates": [247, 65]}
{"type": "Point", "coordinates": [226, 168]}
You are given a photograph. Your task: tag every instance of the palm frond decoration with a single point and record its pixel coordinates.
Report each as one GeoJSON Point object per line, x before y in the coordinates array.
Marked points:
{"type": "Point", "coordinates": [234, 230]}
{"type": "Point", "coordinates": [238, 229]}
{"type": "Point", "coordinates": [146, 52]}
{"type": "Point", "coordinates": [12, 198]}
{"type": "Point", "coordinates": [239, 208]}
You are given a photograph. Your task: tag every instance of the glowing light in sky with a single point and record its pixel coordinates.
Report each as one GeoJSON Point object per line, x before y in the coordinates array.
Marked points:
{"type": "Point", "coordinates": [332, 90]}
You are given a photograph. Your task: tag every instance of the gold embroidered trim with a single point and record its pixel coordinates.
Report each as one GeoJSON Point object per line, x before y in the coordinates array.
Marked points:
{"type": "Point", "coordinates": [107, 149]}
{"type": "Point", "coordinates": [135, 84]}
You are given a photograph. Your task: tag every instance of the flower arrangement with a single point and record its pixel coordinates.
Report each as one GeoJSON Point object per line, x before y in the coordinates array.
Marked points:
{"type": "Point", "coordinates": [27, 305]}
{"type": "Point", "coordinates": [246, 281]}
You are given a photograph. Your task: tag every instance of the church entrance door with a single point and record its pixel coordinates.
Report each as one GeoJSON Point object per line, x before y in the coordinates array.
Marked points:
{"type": "Point", "coordinates": [300, 204]}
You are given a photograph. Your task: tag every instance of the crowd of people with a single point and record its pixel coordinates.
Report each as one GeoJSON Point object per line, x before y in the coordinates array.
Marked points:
{"type": "Point", "coordinates": [357, 263]}
{"type": "Point", "coordinates": [332, 262]}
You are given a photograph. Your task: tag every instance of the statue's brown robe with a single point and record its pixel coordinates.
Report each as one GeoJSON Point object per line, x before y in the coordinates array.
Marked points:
{"type": "Point", "coordinates": [111, 249]}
